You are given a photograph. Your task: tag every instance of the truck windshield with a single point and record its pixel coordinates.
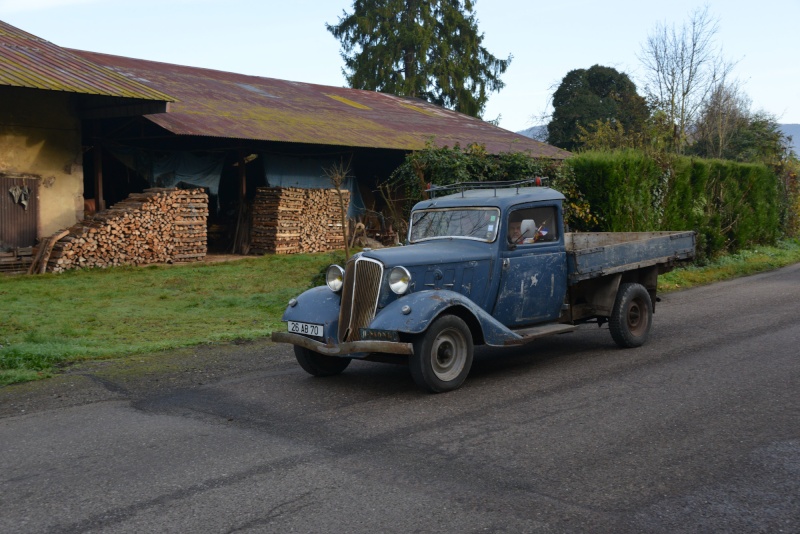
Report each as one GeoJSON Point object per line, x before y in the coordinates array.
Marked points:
{"type": "Point", "coordinates": [467, 223]}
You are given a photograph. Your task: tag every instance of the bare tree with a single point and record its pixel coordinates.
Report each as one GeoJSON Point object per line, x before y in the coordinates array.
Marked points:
{"type": "Point", "coordinates": [337, 174]}
{"type": "Point", "coordinates": [724, 113]}
{"type": "Point", "coordinates": [683, 65]}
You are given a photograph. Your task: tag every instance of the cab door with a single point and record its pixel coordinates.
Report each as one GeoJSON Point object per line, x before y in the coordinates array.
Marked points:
{"type": "Point", "coordinates": [533, 270]}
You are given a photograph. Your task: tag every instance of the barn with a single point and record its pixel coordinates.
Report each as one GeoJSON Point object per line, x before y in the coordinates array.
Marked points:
{"type": "Point", "coordinates": [84, 132]}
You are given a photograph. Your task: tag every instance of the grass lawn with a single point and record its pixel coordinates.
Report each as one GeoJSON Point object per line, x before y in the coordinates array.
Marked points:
{"type": "Point", "coordinates": [50, 319]}
{"type": "Point", "coordinates": [93, 314]}
{"type": "Point", "coordinates": [743, 263]}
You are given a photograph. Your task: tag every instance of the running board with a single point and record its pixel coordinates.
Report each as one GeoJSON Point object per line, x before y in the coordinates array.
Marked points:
{"type": "Point", "coordinates": [535, 332]}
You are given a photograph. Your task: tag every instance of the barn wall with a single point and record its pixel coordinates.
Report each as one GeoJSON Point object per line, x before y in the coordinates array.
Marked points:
{"type": "Point", "coordinates": [40, 137]}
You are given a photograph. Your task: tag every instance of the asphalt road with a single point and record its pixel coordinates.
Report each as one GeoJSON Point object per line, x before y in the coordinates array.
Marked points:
{"type": "Point", "coordinates": [698, 431]}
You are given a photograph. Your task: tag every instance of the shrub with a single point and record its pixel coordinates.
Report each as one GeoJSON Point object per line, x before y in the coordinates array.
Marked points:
{"type": "Point", "coordinates": [730, 205]}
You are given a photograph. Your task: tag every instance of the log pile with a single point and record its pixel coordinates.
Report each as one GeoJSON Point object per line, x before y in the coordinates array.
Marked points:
{"type": "Point", "coordinates": [290, 220]}
{"type": "Point", "coordinates": [160, 225]}
{"type": "Point", "coordinates": [189, 234]}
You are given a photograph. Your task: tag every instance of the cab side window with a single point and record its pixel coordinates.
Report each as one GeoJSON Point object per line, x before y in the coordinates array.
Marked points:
{"type": "Point", "coordinates": [532, 225]}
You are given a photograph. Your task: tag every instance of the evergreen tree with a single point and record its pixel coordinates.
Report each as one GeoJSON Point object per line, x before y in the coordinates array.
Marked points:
{"type": "Point", "coordinates": [429, 49]}
{"type": "Point", "coordinates": [587, 96]}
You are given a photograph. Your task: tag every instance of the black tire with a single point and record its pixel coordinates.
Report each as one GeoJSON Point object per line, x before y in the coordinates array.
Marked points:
{"type": "Point", "coordinates": [632, 316]}
{"type": "Point", "coordinates": [318, 364]}
{"type": "Point", "coordinates": [442, 355]}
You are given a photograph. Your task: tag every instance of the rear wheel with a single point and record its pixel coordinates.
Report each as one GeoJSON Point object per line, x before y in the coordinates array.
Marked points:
{"type": "Point", "coordinates": [442, 355]}
{"type": "Point", "coordinates": [632, 316]}
{"type": "Point", "coordinates": [318, 364]}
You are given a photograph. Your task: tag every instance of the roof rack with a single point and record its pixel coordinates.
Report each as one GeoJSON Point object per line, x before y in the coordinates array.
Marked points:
{"type": "Point", "coordinates": [460, 187]}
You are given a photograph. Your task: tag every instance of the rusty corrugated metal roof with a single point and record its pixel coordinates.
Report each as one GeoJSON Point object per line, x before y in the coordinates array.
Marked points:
{"type": "Point", "coordinates": [28, 61]}
{"type": "Point", "coordinates": [223, 104]}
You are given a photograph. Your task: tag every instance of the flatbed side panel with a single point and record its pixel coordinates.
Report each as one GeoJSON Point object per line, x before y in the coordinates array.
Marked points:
{"type": "Point", "coordinates": [576, 241]}
{"type": "Point", "coordinates": [592, 255]}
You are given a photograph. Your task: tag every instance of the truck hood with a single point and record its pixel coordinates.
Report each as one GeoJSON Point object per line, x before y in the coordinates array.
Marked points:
{"type": "Point", "coordinates": [460, 265]}
{"type": "Point", "coordinates": [434, 252]}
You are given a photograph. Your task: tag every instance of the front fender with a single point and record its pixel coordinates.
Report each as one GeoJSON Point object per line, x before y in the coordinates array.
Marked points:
{"type": "Point", "coordinates": [425, 306]}
{"type": "Point", "coordinates": [318, 305]}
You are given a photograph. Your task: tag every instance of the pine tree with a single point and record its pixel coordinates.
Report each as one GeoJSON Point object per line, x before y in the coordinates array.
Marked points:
{"type": "Point", "coordinates": [429, 49]}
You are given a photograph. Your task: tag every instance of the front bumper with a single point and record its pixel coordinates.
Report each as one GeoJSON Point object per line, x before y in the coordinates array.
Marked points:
{"type": "Point", "coordinates": [386, 347]}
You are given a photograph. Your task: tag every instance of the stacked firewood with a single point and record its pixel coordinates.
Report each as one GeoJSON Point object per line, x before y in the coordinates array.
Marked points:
{"type": "Point", "coordinates": [277, 220]}
{"type": "Point", "coordinates": [160, 225]}
{"type": "Point", "coordinates": [189, 230]}
{"type": "Point", "coordinates": [290, 220]}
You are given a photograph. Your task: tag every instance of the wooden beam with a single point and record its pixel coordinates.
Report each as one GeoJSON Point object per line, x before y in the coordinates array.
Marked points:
{"type": "Point", "coordinates": [100, 203]}
{"type": "Point", "coordinates": [238, 236]}
{"type": "Point", "coordinates": [242, 178]}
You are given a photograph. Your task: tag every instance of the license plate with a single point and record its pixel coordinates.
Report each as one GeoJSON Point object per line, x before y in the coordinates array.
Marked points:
{"type": "Point", "coordinates": [307, 329]}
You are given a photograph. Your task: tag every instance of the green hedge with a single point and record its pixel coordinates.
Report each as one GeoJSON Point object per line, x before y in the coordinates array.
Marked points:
{"type": "Point", "coordinates": [621, 188]}
{"type": "Point", "coordinates": [445, 165]}
{"type": "Point", "coordinates": [730, 205]}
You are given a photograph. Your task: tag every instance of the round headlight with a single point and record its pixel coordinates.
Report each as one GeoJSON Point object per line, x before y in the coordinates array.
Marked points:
{"type": "Point", "coordinates": [334, 277]}
{"type": "Point", "coordinates": [399, 279]}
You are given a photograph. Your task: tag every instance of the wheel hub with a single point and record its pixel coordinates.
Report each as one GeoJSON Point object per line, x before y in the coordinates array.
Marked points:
{"type": "Point", "coordinates": [637, 321]}
{"type": "Point", "coordinates": [444, 355]}
{"type": "Point", "coordinates": [448, 355]}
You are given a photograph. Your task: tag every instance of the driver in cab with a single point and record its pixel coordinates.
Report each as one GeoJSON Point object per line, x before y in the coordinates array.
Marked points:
{"type": "Point", "coordinates": [524, 231]}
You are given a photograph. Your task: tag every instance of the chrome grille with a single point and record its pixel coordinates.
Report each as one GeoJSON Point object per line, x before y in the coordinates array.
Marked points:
{"type": "Point", "coordinates": [362, 285]}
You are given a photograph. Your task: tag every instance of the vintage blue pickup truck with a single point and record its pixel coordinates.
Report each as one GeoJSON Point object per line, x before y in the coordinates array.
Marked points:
{"type": "Point", "coordinates": [485, 264]}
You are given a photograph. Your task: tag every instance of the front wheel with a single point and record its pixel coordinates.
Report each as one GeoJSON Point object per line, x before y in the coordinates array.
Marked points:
{"type": "Point", "coordinates": [442, 355]}
{"type": "Point", "coordinates": [318, 364]}
{"type": "Point", "coordinates": [632, 316]}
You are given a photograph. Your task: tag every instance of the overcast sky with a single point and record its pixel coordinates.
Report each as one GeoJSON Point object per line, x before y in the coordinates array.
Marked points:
{"type": "Point", "coordinates": [287, 39]}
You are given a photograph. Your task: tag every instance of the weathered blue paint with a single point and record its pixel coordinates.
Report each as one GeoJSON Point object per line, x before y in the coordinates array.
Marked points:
{"type": "Point", "coordinates": [461, 265]}
{"type": "Point", "coordinates": [533, 277]}
{"type": "Point", "coordinates": [426, 306]}
{"type": "Point", "coordinates": [532, 286]}
{"type": "Point", "coordinates": [511, 291]}
{"type": "Point", "coordinates": [318, 305]}
{"type": "Point", "coordinates": [469, 274]}
{"type": "Point", "coordinates": [500, 198]}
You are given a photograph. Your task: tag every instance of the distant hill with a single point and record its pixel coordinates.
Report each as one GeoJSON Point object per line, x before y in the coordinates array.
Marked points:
{"type": "Point", "coordinates": [792, 130]}
{"type": "Point", "coordinates": [535, 132]}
